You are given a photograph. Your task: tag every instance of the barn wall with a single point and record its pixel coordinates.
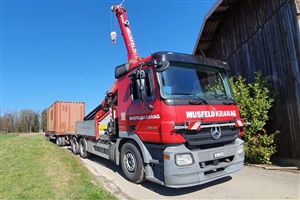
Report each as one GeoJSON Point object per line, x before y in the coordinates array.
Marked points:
{"type": "Point", "coordinates": [264, 35]}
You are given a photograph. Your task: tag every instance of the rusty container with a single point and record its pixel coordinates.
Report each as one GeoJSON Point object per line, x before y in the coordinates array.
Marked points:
{"type": "Point", "coordinates": [62, 115]}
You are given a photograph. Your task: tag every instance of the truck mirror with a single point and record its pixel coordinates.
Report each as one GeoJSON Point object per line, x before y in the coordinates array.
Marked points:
{"type": "Point", "coordinates": [142, 87]}
{"type": "Point", "coordinates": [162, 65]}
{"type": "Point", "coordinates": [140, 79]}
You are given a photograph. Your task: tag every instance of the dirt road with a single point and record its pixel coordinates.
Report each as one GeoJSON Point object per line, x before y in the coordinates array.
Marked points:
{"type": "Point", "coordinates": [251, 183]}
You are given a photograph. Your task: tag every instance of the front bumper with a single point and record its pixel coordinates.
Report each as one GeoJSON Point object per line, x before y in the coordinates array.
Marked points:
{"type": "Point", "coordinates": [206, 167]}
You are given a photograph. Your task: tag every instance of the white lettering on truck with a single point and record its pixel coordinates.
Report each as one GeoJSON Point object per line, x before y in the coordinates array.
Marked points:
{"type": "Point", "coordinates": [142, 117]}
{"type": "Point", "coordinates": [200, 114]}
{"type": "Point", "coordinates": [129, 34]}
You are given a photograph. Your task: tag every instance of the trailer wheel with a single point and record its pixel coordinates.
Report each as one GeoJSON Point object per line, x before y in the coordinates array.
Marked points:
{"type": "Point", "coordinates": [75, 146]}
{"type": "Point", "coordinates": [58, 141]}
{"type": "Point", "coordinates": [63, 141]}
{"type": "Point", "coordinates": [47, 137]}
{"type": "Point", "coordinates": [83, 149]}
{"type": "Point", "coordinates": [132, 163]}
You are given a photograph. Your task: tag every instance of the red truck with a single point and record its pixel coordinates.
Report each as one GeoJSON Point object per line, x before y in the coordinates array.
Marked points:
{"type": "Point", "coordinates": [170, 118]}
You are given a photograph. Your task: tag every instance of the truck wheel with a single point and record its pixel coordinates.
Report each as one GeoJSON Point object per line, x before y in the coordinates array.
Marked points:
{"type": "Point", "coordinates": [58, 141]}
{"type": "Point", "coordinates": [63, 141]}
{"type": "Point", "coordinates": [132, 163]}
{"type": "Point", "coordinates": [83, 149]}
{"type": "Point", "coordinates": [75, 146]}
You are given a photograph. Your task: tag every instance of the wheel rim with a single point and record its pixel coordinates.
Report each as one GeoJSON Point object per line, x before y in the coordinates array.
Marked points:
{"type": "Point", "coordinates": [130, 162]}
{"type": "Point", "coordinates": [57, 141]}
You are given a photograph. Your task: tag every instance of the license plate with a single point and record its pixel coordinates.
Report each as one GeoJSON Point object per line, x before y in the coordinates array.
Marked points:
{"type": "Point", "coordinates": [219, 154]}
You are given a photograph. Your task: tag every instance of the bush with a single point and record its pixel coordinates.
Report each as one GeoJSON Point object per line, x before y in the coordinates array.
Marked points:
{"type": "Point", "coordinates": [255, 100]}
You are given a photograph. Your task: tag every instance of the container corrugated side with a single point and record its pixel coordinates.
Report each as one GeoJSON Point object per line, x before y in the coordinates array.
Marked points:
{"type": "Point", "coordinates": [62, 115]}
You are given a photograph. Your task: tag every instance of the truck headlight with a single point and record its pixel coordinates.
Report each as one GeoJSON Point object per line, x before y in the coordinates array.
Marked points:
{"type": "Point", "coordinates": [184, 159]}
{"type": "Point", "coordinates": [241, 149]}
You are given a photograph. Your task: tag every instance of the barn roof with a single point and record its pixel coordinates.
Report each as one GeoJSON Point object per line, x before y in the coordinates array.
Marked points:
{"type": "Point", "coordinates": [210, 25]}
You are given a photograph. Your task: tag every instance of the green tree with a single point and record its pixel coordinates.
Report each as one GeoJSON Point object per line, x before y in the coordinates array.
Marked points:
{"type": "Point", "coordinates": [44, 120]}
{"type": "Point", "coordinates": [20, 122]}
{"type": "Point", "coordinates": [255, 100]}
{"type": "Point", "coordinates": [8, 121]}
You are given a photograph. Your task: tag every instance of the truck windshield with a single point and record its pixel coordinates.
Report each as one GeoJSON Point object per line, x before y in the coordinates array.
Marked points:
{"type": "Point", "coordinates": [184, 80]}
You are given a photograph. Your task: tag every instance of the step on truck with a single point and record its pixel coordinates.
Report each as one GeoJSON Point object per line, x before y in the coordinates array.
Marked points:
{"type": "Point", "coordinates": [61, 118]}
{"type": "Point", "coordinates": [170, 118]}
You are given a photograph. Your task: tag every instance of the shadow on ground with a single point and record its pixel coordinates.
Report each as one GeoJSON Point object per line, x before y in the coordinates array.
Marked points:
{"type": "Point", "coordinates": [160, 189]}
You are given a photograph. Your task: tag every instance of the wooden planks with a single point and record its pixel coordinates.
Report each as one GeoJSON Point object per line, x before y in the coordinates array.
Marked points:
{"type": "Point", "coordinates": [264, 35]}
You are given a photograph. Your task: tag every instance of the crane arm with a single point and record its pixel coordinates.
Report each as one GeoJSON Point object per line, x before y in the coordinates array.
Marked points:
{"type": "Point", "coordinates": [132, 52]}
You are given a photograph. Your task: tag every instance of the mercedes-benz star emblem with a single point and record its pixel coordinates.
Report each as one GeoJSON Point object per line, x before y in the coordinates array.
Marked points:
{"type": "Point", "coordinates": [215, 132]}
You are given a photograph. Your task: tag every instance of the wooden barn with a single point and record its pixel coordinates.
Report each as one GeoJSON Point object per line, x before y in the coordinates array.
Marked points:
{"type": "Point", "coordinates": [261, 35]}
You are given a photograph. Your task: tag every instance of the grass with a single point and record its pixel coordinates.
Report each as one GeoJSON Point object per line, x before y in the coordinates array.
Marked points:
{"type": "Point", "coordinates": [34, 168]}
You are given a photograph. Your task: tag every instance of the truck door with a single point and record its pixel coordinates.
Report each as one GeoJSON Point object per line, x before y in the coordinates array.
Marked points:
{"type": "Point", "coordinates": [143, 111]}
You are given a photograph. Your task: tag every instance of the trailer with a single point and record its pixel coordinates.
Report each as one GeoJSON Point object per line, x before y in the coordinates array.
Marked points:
{"type": "Point", "coordinates": [61, 118]}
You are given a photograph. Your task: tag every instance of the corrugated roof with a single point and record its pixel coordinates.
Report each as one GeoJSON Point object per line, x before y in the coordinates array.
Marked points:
{"type": "Point", "coordinates": [210, 25]}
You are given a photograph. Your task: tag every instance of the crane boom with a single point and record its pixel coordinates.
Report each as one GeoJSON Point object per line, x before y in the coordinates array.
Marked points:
{"type": "Point", "coordinates": [132, 52]}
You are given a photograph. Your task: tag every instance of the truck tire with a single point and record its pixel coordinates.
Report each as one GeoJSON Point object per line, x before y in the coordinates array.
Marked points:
{"type": "Point", "coordinates": [132, 163]}
{"type": "Point", "coordinates": [75, 146]}
{"type": "Point", "coordinates": [58, 141]}
{"type": "Point", "coordinates": [63, 141]}
{"type": "Point", "coordinates": [83, 149]}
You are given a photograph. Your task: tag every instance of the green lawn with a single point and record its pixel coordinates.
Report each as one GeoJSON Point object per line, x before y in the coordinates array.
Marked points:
{"type": "Point", "coordinates": [34, 168]}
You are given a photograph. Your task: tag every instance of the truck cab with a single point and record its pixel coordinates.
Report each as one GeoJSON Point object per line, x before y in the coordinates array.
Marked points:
{"type": "Point", "coordinates": [180, 111]}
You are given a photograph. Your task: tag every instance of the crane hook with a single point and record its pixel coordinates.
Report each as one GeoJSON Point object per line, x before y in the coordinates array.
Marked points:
{"type": "Point", "coordinates": [113, 36]}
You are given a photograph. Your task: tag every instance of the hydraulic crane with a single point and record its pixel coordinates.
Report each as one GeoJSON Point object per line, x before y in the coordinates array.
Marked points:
{"type": "Point", "coordinates": [169, 118]}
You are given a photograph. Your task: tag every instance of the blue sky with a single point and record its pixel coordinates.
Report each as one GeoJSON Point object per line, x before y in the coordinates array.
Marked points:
{"type": "Point", "coordinates": [61, 50]}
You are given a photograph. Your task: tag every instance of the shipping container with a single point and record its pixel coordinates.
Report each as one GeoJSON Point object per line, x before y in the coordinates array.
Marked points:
{"type": "Point", "coordinates": [62, 115]}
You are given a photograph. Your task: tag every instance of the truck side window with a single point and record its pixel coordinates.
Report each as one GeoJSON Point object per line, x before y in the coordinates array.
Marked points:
{"type": "Point", "coordinates": [133, 89]}
{"type": "Point", "coordinates": [135, 92]}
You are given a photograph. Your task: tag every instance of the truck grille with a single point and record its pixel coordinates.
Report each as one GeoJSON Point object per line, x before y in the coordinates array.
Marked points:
{"type": "Point", "coordinates": [204, 139]}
